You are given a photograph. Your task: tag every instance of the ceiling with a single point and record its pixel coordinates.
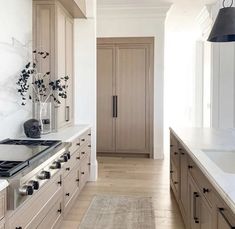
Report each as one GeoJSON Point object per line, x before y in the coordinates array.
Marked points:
{"type": "Point", "coordinates": [181, 15]}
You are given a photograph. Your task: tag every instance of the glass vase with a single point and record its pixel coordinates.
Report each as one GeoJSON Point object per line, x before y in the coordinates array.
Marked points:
{"type": "Point", "coordinates": [42, 112]}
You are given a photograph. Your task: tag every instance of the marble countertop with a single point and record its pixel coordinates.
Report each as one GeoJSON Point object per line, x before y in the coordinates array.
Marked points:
{"type": "Point", "coordinates": [65, 135]}
{"type": "Point", "coordinates": [3, 184]}
{"type": "Point", "coordinates": [195, 140]}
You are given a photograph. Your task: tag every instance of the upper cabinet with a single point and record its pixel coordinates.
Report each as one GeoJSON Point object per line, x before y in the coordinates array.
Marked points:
{"type": "Point", "coordinates": [77, 8]}
{"type": "Point", "coordinates": [53, 33]}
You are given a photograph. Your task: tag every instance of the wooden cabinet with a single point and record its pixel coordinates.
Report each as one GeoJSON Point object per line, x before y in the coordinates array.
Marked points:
{"type": "Point", "coordinates": [53, 32]}
{"type": "Point", "coordinates": [200, 213]}
{"type": "Point", "coordinates": [125, 96]}
{"type": "Point", "coordinates": [200, 204]}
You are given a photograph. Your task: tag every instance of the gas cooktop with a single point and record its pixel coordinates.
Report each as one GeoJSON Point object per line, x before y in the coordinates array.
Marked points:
{"type": "Point", "coordinates": [17, 154]}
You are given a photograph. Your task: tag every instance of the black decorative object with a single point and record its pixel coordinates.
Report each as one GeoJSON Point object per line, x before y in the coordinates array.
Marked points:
{"type": "Point", "coordinates": [32, 128]}
{"type": "Point", "coordinates": [224, 27]}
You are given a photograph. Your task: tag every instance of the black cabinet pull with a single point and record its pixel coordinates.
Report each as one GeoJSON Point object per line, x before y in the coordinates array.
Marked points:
{"type": "Point", "coordinates": [205, 190]}
{"type": "Point", "coordinates": [59, 182]}
{"type": "Point", "coordinates": [68, 169]}
{"type": "Point", "coordinates": [82, 173]}
{"type": "Point", "coordinates": [83, 139]}
{"type": "Point", "coordinates": [78, 158]}
{"type": "Point", "coordinates": [89, 163]}
{"type": "Point", "coordinates": [59, 211]}
{"type": "Point", "coordinates": [176, 182]}
{"type": "Point", "coordinates": [67, 194]}
{"type": "Point", "coordinates": [171, 171]}
{"type": "Point", "coordinates": [171, 146]}
{"type": "Point", "coordinates": [195, 217]}
{"type": "Point", "coordinates": [190, 167]}
{"type": "Point", "coordinates": [83, 153]}
{"type": "Point", "coordinates": [78, 144]}
{"type": "Point", "coordinates": [18, 227]}
{"type": "Point", "coordinates": [89, 134]}
{"type": "Point", "coordinates": [115, 110]}
{"type": "Point", "coordinates": [176, 153]}
{"type": "Point", "coordinates": [89, 146]}
{"type": "Point", "coordinates": [77, 180]}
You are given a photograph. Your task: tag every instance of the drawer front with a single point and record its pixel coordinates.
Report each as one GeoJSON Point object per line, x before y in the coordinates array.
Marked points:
{"type": "Point", "coordinates": [84, 171]}
{"type": "Point", "coordinates": [85, 139]}
{"type": "Point", "coordinates": [2, 204]}
{"type": "Point", "coordinates": [174, 150]}
{"type": "Point", "coordinates": [28, 217]}
{"type": "Point", "coordinates": [71, 186]}
{"type": "Point", "coordinates": [204, 185]}
{"type": "Point", "coordinates": [85, 152]}
{"type": "Point", "coordinates": [174, 178]}
{"type": "Point", "coordinates": [53, 217]}
{"type": "Point", "coordinates": [75, 145]}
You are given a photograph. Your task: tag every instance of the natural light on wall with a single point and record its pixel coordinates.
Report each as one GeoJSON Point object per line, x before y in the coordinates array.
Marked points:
{"type": "Point", "coordinates": [187, 73]}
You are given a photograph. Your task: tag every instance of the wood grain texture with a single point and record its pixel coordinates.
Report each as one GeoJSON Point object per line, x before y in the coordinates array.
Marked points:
{"type": "Point", "coordinates": [131, 177]}
{"type": "Point", "coordinates": [105, 91]}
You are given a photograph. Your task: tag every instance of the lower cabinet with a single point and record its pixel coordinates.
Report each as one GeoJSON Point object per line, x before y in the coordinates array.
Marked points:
{"type": "Point", "coordinates": [200, 204]}
{"type": "Point", "coordinates": [200, 213]}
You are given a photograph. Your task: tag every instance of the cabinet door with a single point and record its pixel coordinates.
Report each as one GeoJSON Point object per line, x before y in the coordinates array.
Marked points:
{"type": "Point", "coordinates": [206, 215]}
{"type": "Point", "coordinates": [133, 107]}
{"type": "Point", "coordinates": [61, 63]}
{"type": "Point", "coordinates": [174, 178]}
{"type": "Point", "coordinates": [69, 70]}
{"type": "Point", "coordinates": [194, 204]}
{"type": "Point", "coordinates": [105, 88]}
{"type": "Point", "coordinates": [223, 221]}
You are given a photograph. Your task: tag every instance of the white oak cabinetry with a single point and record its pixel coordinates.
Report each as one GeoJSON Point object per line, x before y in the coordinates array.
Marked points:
{"type": "Point", "coordinates": [200, 204]}
{"type": "Point", "coordinates": [53, 32]}
{"type": "Point", "coordinates": [125, 96]}
{"type": "Point", "coordinates": [46, 208]}
{"type": "Point", "coordinates": [3, 204]}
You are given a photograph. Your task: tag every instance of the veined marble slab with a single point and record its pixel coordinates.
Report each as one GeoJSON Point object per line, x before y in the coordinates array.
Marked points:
{"type": "Point", "coordinates": [3, 184]}
{"type": "Point", "coordinates": [195, 140]}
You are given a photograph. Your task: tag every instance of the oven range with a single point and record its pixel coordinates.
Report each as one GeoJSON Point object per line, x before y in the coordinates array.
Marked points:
{"type": "Point", "coordinates": [28, 165]}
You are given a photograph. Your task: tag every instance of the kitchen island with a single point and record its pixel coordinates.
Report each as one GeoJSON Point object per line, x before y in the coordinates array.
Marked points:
{"type": "Point", "coordinates": [202, 174]}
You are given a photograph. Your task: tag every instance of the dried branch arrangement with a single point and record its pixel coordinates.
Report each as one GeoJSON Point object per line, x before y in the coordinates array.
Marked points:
{"type": "Point", "coordinates": [39, 87]}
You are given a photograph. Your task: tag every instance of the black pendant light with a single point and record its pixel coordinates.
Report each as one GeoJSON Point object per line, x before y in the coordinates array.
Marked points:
{"type": "Point", "coordinates": [224, 27]}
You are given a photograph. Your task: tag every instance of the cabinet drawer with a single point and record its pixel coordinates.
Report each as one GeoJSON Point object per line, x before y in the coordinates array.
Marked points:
{"type": "Point", "coordinates": [53, 217]}
{"type": "Point", "coordinates": [75, 145]}
{"type": "Point", "coordinates": [71, 185]}
{"type": "Point", "coordinates": [174, 178]}
{"type": "Point", "coordinates": [85, 139]}
{"type": "Point", "coordinates": [85, 152]}
{"type": "Point", "coordinates": [2, 204]}
{"type": "Point", "coordinates": [85, 171]}
{"type": "Point", "coordinates": [202, 182]}
{"type": "Point", "coordinates": [27, 216]}
{"type": "Point", "coordinates": [174, 150]}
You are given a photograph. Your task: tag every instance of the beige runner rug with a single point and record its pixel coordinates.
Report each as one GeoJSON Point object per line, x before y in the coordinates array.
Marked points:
{"type": "Point", "coordinates": [119, 212]}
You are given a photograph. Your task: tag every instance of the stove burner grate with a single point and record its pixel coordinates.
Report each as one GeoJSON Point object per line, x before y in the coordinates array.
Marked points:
{"type": "Point", "coordinates": [9, 168]}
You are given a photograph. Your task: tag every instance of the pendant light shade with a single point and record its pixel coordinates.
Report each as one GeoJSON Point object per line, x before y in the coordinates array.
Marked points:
{"type": "Point", "coordinates": [224, 28]}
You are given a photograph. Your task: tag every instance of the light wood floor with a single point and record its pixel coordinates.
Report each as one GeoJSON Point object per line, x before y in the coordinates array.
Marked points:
{"type": "Point", "coordinates": [130, 176]}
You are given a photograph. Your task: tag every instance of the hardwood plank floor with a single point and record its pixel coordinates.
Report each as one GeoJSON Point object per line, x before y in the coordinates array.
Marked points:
{"type": "Point", "coordinates": [131, 176]}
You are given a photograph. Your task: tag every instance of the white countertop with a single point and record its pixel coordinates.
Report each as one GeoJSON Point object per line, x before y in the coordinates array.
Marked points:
{"type": "Point", "coordinates": [3, 184]}
{"type": "Point", "coordinates": [65, 135]}
{"type": "Point", "coordinates": [197, 139]}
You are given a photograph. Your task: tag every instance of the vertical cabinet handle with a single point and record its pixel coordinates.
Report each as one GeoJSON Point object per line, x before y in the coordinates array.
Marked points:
{"type": "Point", "coordinates": [195, 217]}
{"type": "Point", "coordinates": [221, 210]}
{"type": "Point", "coordinates": [115, 101]}
{"type": "Point", "coordinates": [67, 114]}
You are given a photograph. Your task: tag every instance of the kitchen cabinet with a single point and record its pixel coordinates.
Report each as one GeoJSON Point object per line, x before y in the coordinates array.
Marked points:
{"type": "Point", "coordinates": [200, 213]}
{"type": "Point", "coordinates": [53, 32]}
{"type": "Point", "coordinates": [125, 96]}
{"type": "Point", "coordinates": [201, 206]}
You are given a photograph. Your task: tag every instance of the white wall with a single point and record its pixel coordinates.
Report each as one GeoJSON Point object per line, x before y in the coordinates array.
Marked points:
{"type": "Point", "coordinates": [15, 21]}
{"type": "Point", "coordinates": [85, 75]}
{"type": "Point", "coordinates": [132, 24]}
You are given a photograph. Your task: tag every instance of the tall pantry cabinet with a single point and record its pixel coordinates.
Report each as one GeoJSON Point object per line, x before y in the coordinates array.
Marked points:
{"type": "Point", "coordinates": [125, 96]}
{"type": "Point", "coordinates": [53, 32]}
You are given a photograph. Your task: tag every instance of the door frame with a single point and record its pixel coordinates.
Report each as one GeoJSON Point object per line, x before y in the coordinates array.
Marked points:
{"type": "Point", "coordinates": [150, 42]}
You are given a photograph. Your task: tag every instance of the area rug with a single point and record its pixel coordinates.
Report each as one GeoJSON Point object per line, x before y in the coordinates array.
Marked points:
{"type": "Point", "coordinates": [119, 212]}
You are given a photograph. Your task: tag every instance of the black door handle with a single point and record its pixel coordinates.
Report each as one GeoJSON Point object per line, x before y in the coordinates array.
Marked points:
{"type": "Point", "coordinates": [115, 101]}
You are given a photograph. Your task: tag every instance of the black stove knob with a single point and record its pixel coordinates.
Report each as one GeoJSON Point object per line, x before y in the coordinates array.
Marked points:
{"type": "Point", "coordinates": [68, 155]}
{"type": "Point", "coordinates": [55, 165]}
{"type": "Point", "coordinates": [63, 158]}
{"type": "Point", "coordinates": [34, 184]}
{"type": "Point", "coordinates": [26, 190]}
{"type": "Point", "coordinates": [44, 175]}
